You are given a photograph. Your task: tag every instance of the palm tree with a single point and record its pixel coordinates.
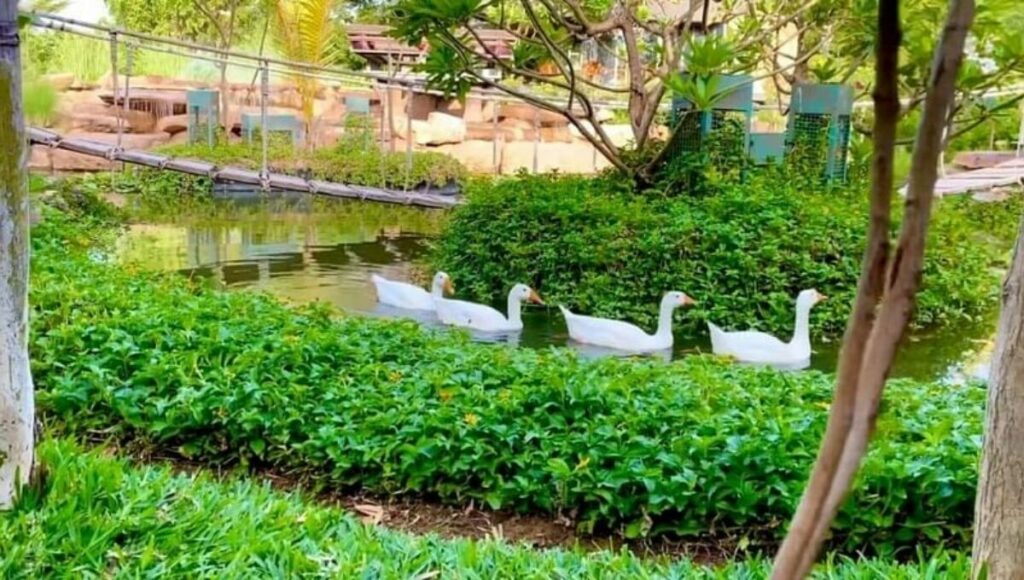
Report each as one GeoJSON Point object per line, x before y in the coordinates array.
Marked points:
{"type": "Point", "coordinates": [304, 32]}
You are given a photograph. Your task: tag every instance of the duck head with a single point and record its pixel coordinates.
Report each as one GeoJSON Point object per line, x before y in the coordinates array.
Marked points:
{"type": "Point", "coordinates": [444, 282]}
{"type": "Point", "coordinates": [523, 293]}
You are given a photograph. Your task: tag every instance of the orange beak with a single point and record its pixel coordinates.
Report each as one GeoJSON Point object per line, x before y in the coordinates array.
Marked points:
{"type": "Point", "coordinates": [448, 287]}
{"type": "Point", "coordinates": [687, 301]}
{"type": "Point", "coordinates": [822, 297]}
{"type": "Point", "coordinates": [535, 298]}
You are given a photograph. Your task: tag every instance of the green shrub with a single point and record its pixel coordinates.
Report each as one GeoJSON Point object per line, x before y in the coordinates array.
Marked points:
{"type": "Point", "coordinates": [166, 193]}
{"type": "Point", "coordinates": [743, 252]}
{"type": "Point", "coordinates": [694, 448]}
{"type": "Point", "coordinates": [100, 517]}
{"type": "Point", "coordinates": [344, 163]}
{"type": "Point", "coordinates": [40, 102]}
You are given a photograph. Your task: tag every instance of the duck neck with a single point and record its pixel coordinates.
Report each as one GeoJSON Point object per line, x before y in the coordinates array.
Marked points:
{"type": "Point", "coordinates": [665, 320]}
{"type": "Point", "coordinates": [802, 331]}
{"type": "Point", "coordinates": [437, 290]}
{"type": "Point", "coordinates": [515, 314]}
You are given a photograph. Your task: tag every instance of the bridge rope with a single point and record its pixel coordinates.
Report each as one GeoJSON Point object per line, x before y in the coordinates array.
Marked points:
{"type": "Point", "coordinates": [277, 181]}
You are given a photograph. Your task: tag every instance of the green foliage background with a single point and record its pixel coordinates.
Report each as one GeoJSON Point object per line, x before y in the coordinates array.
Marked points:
{"type": "Point", "coordinates": [743, 250]}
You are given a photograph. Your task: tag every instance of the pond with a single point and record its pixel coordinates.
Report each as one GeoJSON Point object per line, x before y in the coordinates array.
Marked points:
{"type": "Point", "coordinates": [303, 254]}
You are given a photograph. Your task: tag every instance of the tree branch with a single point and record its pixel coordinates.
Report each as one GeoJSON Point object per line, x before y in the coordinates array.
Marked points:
{"type": "Point", "coordinates": [870, 344]}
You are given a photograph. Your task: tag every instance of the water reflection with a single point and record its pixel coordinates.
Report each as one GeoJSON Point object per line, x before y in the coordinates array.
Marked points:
{"type": "Point", "coordinates": [329, 256]}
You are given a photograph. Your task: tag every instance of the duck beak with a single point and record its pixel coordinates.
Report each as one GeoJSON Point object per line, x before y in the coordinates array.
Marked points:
{"type": "Point", "coordinates": [822, 298]}
{"type": "Point", "coordinates": [687, 301]}
{"type": "Point", "coordinates": [449, 288]}
{"type": "Point", "coordinates": [535, 298]}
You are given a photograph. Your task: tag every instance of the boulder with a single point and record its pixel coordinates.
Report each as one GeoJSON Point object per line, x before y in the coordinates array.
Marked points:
{"type": "Point", "coordinates": [981, 159]}
{"type": "Point", "coordinates": [620, 135]}
{"type": "Point", "coordinates": [516, 129]}
{"type": "Point", "coordinates": [486, 132]}
{"type": "Point", "coordinates": [556, 134]}
{"type": "Point", "coordinates": [172, 125]}
{"type": "Point", "coordinates": [39, 158]}
{"type": "Point", "coordinates": [60, 81]}
{"type": "Point", "coordinates": [90, 123]}
{"type": "Point", "coordinates": [477, 156]}
{"type": "Point", "coordinates": [439, 129]}
{"type": "Point", "coordinates": [179, 138]}
{"type": "Point", "coordinates": [561, 157]}
{"type": "Point", "coordinates": [528, 113]}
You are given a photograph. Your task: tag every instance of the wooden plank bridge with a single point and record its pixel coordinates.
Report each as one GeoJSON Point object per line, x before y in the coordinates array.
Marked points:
{"type": "Point", "coordinates": [276, 181]}
{"type": "Point", "coordinates": [1007, 173]}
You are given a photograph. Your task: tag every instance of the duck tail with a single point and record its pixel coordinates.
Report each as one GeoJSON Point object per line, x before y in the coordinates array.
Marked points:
{"type": "Point", "coordinates": [717, 335]}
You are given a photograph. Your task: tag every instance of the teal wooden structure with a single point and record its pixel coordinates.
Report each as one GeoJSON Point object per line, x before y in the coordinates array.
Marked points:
{"type": "Point", "coordinates": [357, 106]}
{"type": "Point", "coordinates": [766, 148]}
{"type": "Point", "coordinates": [819, 126]}
{"type": "Point", "coordinates": [289, 124]}
{"type": "Point", "coordinates": [203, 109]}
{"type": "Point", "coordinates": [733, 110]}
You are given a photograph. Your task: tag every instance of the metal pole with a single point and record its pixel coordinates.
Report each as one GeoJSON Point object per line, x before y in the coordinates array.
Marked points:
{"type": "Point", "coordinates": [536, 138]}
{"type": "Point", "coordinates": [494, 135]}
{"type": "Point", "coordinates": [115, 85]}
{"type": "Point", "coordinates": [1020, 136]}
{"type": "Point", "coordinates": [383, 136]}
{"type": "Point", "coordinates": [264, 135]}
{"type": "Point", "coordinates": [408, 134]}
{"type": "Point", "coordinates": [127, 78]}
{"type": "Point", "coordinates": [391, 110]}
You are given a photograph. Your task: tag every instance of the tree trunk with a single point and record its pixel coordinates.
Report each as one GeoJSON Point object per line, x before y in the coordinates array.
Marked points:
{"type": "Point", "coordinates": [999, 513]}
{"type": "Point", "coordinates": [17, 409]}
{"type": "Point", "coordinates": [873, 336]}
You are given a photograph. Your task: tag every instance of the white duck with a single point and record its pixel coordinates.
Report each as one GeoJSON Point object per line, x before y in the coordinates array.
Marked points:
{"type": "Point", "coordinates": [402, 295]}
{"type": "Point", "coordinates": [484, 318]}
{"type": "Point", "coordinates": [623, 335]}
{"type": "Point", "coordinates": [758, 347]}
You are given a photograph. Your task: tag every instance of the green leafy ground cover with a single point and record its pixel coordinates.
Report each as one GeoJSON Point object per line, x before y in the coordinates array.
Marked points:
{"type": "Point", "coordinates": [96, 516]}
{"type": "Point", "coordinates": [694, 448]}
{"type": "Point", "coordinates": [744, 251]}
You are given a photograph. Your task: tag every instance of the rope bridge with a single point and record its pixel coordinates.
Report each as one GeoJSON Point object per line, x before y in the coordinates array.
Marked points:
{"type": "Point", "coordinates": [268, 180]}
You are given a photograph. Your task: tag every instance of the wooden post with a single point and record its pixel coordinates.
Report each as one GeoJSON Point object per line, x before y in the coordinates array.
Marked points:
{"type": "Point", "coordinates": [494, 136]}
{"type": "Point", "coordinates": [17, 403]}
{"type": "Point", "coordinates": [408, 134]}
{"type": "Point", "coordinates": [264, 135]}
{"type": "Point", "coordinates": [115, 86]}
{"type": "Point", "coordinates": [536, 138]}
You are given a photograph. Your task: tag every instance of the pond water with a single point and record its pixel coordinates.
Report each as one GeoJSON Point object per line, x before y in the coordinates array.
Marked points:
{"type": "Point", "coordinates": [303, 254]}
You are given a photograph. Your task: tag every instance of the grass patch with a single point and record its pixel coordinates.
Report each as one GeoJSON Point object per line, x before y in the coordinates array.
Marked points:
{"type": "Point", "coordinates": [96, 516]}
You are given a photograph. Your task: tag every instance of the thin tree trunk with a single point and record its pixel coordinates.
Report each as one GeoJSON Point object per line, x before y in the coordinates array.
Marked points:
{"type": "Point", "coordinates": [999, 513]}
{"type": "Point", "coordinates": [17, 407]}
{"type": "Point", "coordinates": [872, 340]}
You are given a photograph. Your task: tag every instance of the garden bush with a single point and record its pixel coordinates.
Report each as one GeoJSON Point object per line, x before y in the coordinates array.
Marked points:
{"type": "Point", "coordinates": [166, 193]}
{"type": "Point", "coordinates": [96, 516]}
{"type": "Point", "coordinates": [694, 448]}
{"type": "Point", "coordinates": [349, 161]}
{"type": "Point", "coordinates": [743, 252]}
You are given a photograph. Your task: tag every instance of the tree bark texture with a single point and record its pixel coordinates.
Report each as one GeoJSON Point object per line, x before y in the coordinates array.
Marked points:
{"type": "Point", "coordinates": [999, 513]}
{"type": "Point", "coordinates": [17, 410]}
